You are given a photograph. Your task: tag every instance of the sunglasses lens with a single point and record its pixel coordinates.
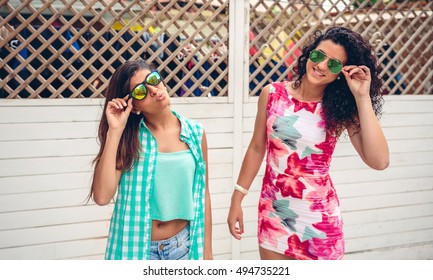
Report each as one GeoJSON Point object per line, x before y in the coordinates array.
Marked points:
{"type": "Point", "coordinates": [317, 56]}
{"type": "Point", "coordinates": [139, 92]}
{"type": "Point", "coordinates": [153, 79]}
{"type": "Point", "coordinates": [334, 66]}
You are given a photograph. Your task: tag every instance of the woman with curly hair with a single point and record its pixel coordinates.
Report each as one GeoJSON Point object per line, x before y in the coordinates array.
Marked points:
{"type": "Point", "coordinates": [298, 123]}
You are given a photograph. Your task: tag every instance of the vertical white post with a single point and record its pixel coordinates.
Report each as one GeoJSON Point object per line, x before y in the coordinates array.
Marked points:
{"type": "Point", "coordinates": [238, 84]}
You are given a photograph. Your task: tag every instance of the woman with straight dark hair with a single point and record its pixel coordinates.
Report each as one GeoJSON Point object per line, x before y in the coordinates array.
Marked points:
{"type": "Point", "coordinates": [156, 161]}
{"type": "Point", "coordinates": [298, 123]}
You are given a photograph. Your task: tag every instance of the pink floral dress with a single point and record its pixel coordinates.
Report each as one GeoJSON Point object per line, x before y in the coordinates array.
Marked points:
{"type": "Point", "coordinates": [299, 213]}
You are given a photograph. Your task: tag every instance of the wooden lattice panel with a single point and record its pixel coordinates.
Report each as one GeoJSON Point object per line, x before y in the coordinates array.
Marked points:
{"type": "Point", "coordinates": [399, 30]}
{"type": "Point", "coordinates": [59, 49]}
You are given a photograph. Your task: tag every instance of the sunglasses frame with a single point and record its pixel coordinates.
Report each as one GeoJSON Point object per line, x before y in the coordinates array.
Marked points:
{"type": "Point", "coordinates": [144, 84]}
{"type": "Point", "coordinates": [329, 61]}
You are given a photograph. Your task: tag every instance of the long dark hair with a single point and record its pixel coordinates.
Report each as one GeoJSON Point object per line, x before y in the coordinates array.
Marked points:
{"type": "Point", "coordinates": [338, 103]}
{"type": "Point", "coordinates": [118, 87]}
{"type": "Point", "coordinates": [129, 145]}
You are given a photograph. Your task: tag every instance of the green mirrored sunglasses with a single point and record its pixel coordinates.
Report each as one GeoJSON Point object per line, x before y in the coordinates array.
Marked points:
{"type": "Point", "coordinates": [140, 91]}
{"type": "Point", "coordinates": [334, 65]}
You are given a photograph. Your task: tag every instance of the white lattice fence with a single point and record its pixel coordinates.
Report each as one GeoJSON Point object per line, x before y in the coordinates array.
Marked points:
{"type": "Point", "coordinates": [57, 49]}
{"type": "Point", "coordinates": [400, 31]}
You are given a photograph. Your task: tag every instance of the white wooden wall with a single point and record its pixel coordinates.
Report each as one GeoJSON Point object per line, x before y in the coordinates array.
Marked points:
{"type": "Point", "coordinates": [45, 171]}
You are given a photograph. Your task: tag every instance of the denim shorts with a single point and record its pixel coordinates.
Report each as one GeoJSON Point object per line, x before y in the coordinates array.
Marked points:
{"type": "Point", "coordinates": [173, 248]}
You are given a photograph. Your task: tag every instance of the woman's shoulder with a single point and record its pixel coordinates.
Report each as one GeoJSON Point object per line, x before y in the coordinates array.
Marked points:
{"type": "Point", "coordinates": [191, 124]}
{"type": "Point", "coordinates": [279, 87]}
{"type": "Point", "coordinates": [275, 87]}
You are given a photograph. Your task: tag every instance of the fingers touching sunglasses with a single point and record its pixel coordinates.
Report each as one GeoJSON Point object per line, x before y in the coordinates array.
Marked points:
{"type": "Point", "coordinates": [140, 91]}
{"type": "Point", "coordinates": [334, 65]}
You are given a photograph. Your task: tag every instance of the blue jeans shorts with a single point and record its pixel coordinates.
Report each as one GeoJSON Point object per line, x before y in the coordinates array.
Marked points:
{"type": "Point", "coordinates": [173, 248]}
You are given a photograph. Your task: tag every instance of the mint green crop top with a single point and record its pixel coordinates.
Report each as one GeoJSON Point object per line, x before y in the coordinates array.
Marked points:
{"type": "Point", "coordinates": [172, 192]}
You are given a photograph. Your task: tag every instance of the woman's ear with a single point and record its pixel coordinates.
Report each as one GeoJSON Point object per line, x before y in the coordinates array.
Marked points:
{"type": "Point", "coordinates": [136, 111]}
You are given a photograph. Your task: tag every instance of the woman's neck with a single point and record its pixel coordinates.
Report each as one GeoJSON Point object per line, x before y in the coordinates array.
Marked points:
{"type": "Point", "coordinates": [310, 92]}
{"type": "Point", "coordinates": [161, 120]}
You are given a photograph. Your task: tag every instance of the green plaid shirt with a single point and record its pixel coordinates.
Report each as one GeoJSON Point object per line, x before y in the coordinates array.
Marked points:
{"type": "Point", "coordinates": [131, 223]}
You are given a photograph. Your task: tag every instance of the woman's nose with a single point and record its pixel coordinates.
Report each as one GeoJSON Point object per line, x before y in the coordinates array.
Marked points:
{"type": "Point", "coordinates": [323, 65]}
{"type": "Point", "coordinates": [153, 91]}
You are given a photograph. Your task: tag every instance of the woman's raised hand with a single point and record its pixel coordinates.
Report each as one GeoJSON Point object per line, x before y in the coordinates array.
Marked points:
{"type": "Point", "coordinates": [358, 79]}
{"type": "Point", "coordinates": [117, 114]}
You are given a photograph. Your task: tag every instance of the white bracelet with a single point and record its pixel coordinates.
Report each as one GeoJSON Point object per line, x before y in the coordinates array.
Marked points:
{"type": "Point", "coordinates": [239, 188]}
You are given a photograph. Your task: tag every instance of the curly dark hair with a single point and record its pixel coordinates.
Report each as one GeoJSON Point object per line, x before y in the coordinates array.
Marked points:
{"type": "Point", "coordinates": [338, 103]}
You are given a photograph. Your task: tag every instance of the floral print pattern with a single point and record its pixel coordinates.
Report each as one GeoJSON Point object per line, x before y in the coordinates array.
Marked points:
{"type": "Point", "coordinates": [299, 211]}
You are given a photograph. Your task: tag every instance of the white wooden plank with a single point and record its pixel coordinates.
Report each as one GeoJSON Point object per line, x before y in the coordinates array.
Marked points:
{"type": "Point", "coordinates": [385, 187]}
{"type": "Point", "coordinates": [221, 200]}
{"type": "Point", "coordinates": [248, 124]}
{"type": "Point", "coordinates": [45, 131]}
{"type": "Point", "coordinates": [42, 200]}
{"type": "Point", "coordinates": [389, 227]}
{"type": "Point", "coordinates": [220, 170]}
{"type": "Point", "coordinates": [74, 197]}
{"type": "Point", "coordinates": [39, 166]}
{"type": "Point", "coordinates": [220, 231]}
{"type": "Point", "coordinates": [251, 255]}
{"type": "Point", "coordinates": [388, 240]}
{"type": "Point", "coordinates": [222, 256]}
{"type": "Point", "coordinates": [220, 155]}
{"type": "Point", "coordinates": [410, 126]}
{"type": "Point", "coordinates": [73, 181]}
{"type": "Point", "coordinates": [52, 251]}
{"type": "Point", "coordinates": [42, 114]}
{"type": "Point", "coordinates": [50, 182]}
{"type": "Point", "coordinates": [89, 129]}
{"type": "Point", "coordinates": [54, 216]}
{"type": "Point", "coordinates": [251, 199]}
{"type": "Point", "coordinates": [249, 244]}
{"type": "Point", "coordinates": [409, 252]}
{"type": "Point", "coordinates": [344, 146]}
{"type": "Point", "coordinates": [85, 147]}
{"type": "Point", "coordinates": [341, 177]}
{"type": "Point", "coordinates": [220, 185]}
{"type": "Point", "coordinates": [46, 102]}
{"type": "Point", "coordinates": [406, 119]}
{"type": "Point", "coordinates": [220, 140]}
{"type": "Point", "coordinates": [93, 112]}
{"type": "Point", "coordinates": [91, 257]}
{"type": "Point", "coordinates": [52, 234]}
{"type": "Point", "coordinates": [391, 173]}
{"type": "Point", "coordinates": [250, 108]}
{"type": "Point", "coordinates": [250, 213]}
{"type": "Point", "coordinates": [387, 214]}
{"type": "Point", "coordinates": [217, 125]}
{"type": "Point", "coordinates": [395, 146]}
{"type": "Point", "coordinates": [392, 124]}
{"type": "Point", "coordinates": [219, 216]}
{"type": "Point", "coordinates": [250, 229]}
{"type": "Point", "coordinates": [386, 200]}
{"type": "Point", "coordinates": [221, 246]}
{"type": "Point", "coordinates": [408, 132]}
{"type": "Point", "coordinates": [197, 111]}
{"type": "Point", "coordinates": [408, 106]}
{"type": "Point", "coordinates": [396, 159]}
{"type": "Point", "coordinates": [407, 97]}
{"type": "Point", "coordinates": [49, 148]}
